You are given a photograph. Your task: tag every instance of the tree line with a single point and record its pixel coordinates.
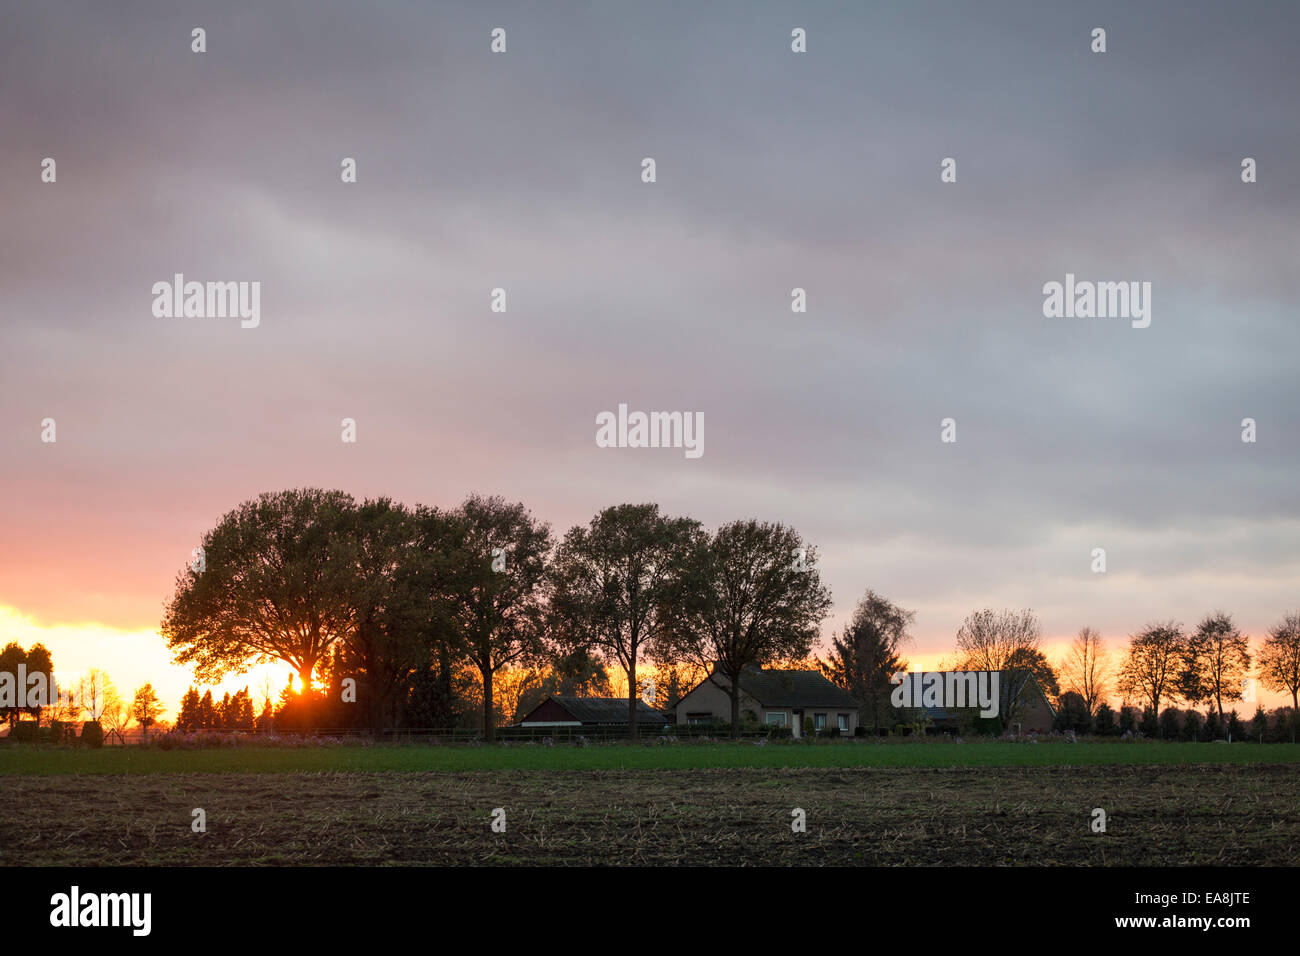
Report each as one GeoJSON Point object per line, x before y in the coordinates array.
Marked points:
{"type": "Point", "coordinates": [396, 611]}
{"type": "Point", "coordinates": [93, 696]}
{"type": "Point", "coordinates": [397, 600]}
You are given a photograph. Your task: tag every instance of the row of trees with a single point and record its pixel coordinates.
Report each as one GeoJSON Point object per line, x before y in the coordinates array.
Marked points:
{"type": "Point", "coordinates": [93, 696]}
{"type": "Point", "coordinates": [1162, 665]}
{"type": "Point", "coordinates": [403, 601]}
{"type": "Point", "coordinates": [232, 712]}
{"type": "Point", "coordinates": [1210, 665]}
{"type": "Point", "coordinates": [398, 598]}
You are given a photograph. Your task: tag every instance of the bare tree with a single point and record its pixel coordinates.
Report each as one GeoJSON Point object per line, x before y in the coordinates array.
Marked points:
{"type": "Point", "coordinates": [1086, 669]}
{"type": "Point", "coordinates": [1006, 641]}
{"type": "Point", "coordinates": [1152, 665]}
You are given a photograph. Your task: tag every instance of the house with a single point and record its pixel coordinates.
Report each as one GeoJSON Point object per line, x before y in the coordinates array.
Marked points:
{"type": "Point", "coordinates": [773, 698]}
{"type": "Point", "coordinates": [1019, 694]}
{"type": "Point", "coordinates": [590, 712]}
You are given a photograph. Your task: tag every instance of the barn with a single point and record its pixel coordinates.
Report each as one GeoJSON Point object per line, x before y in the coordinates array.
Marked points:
{"type": "Point", "coordinates": [589, 712]}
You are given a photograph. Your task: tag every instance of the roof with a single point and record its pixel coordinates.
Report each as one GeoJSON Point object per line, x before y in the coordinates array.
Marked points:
{"type": "Point", "coordinates": [606, 710]}
{"type": "Point", "coordinates": [1029, 685]}
{"type": "Point", "coordinates": [772, 688]}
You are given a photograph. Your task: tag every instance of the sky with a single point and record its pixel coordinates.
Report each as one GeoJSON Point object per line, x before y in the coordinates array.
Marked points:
{"type": "Point", "coordinates": [522, 170]}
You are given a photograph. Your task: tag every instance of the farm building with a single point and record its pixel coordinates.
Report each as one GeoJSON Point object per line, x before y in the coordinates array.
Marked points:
{"type": "Point", "coordinates": [589, 712]}
{"type": "Point", "coordinates": [1019, 694]}
{"type": "Point", "coordinates": [773, 698]}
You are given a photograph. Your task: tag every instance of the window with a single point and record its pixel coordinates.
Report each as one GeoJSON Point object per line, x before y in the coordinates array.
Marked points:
{"type": "Point", "coordinates": [819, 721]}
{"type": "Point", "coordinates": [844, 722]}
{"type": "Point", "coordinates": [776, 717]}
{"type": "Point", "coordinates": [699, 718]}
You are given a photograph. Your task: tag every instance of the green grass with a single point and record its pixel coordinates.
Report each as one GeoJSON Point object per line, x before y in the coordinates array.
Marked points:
{"type": "Point", "coordinates": [20, 759]}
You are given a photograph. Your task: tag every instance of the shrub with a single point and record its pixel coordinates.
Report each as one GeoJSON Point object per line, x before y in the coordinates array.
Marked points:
{"type": "Point", "coordinates": [1170, 724]}
{"type": "Point", "coordinates": [1149, 726]}
{"type": "Point", "coordinates": [1213, 729]}
{"type": "Point", "coordinates": [92, 733]}
{"type": "Point", "coordinates": [1105, 721]}
{"type": "Point", "coordinates": [1236, 729]}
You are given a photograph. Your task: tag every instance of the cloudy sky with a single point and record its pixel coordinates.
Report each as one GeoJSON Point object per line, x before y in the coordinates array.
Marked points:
{"type": "Point", "coordinates": [775, 170]}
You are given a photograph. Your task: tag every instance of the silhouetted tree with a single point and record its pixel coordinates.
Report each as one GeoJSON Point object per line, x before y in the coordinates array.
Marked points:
{"type": "Point", "coordinates": [745, 595]}
{"type": "Point", "coordinates": [1151, 668]}
{"type": "Point", "coordinates": [864, 659]}
{"type": "Point", "coordinates": [272, 588]}
{"type": "Point", "coordinates": [610, 582]}
{"type": "Point", "coordinates": [1215, 661]}
{"type": "Point", "coordinates": [494, 597]}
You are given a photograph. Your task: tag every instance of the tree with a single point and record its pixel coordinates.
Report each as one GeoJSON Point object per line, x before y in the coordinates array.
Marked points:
{"type": "Point", "coordinates": [1279, 662]}
{"type": "Point", "coordinates": [1105, 721]}
{"type": "Point", "coordinates": [188, 718]}
{"type": "Point", "coordinates": [745, 595]}
{"type": "Point", "coordinates": [116, 714]}
{"type": "Point", "coordinates": [146, 707]}
{"type": "Point", "coordinates": [1259, 723]}
{"type": "Point", "coordinates": [39, 661]}
{"type": "Point", "coordinates": [1086, 668]}
{"type": "Point", "coordinates": [1151, 667]}
{"type": "Point", "coordinates": [93, 688]}
{"type": "Point", "coordinates": [272, 587]}
{"type": "Point", "coordinates": [1006, 641]}
{"type": "Point", "coordinates": [399, 559]}
{"type": "Point", "coordinates": [1215, 661]}
{"type": "Point", "coordinates": [864, 659]}
{"type": "Point", "coordinates": [206, 712]}
{"type": "Point", "coordinates": [1236, 729]}
{"type": "Point", "coordinates": [610, 583]}
{"type": "Point", "coordinates": [12, 656]}
{"type": "Point", "coordinates": [494, 596]}
{"type": "Point", "coordinates": [1072, 713]}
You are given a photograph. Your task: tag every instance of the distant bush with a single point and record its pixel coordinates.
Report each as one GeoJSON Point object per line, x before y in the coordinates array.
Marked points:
{"type": "Point", "coordinates": [1104, 723]}
{"type": "Point", "coordinates": [92, 734]}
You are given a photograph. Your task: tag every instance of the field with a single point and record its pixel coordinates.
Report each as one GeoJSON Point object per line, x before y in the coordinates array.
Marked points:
{"type": "Point", "coordinates": [704, 804]}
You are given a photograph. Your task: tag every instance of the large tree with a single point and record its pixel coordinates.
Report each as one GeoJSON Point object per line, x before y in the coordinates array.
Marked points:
{"type": "Point", "coordinates": [1216, 660]}
{"type": "Point", "coordinates": [1086, 669]}
{"type": "Point", "coordinates": [1007, 641]}
{"type": "Point", "coordinates": [1152, 665]}
{"type": "Point", "coordinates": [1279, 663]}
{"type": "Point", "coordinates": [495, 588]}
{"type": "Point", "coordinates": [610, 583]}
{"type": "Point", "coordinates": [864, 659]}
{"type": "Point", "coordinates": [746, 595]}
{"type": "Point", "coordinates": [273, 585]}
{"type": "Point", "coordinates": [399, 563]}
